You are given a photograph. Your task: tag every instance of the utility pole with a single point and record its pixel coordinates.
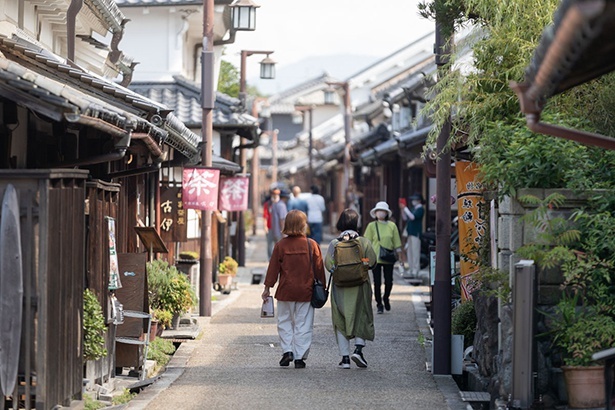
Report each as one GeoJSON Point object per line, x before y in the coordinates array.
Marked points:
{"type": "Point", "coordinates": [442, 283]}
{"type": "Point", "coordinates": [342, 195]}
{"type": "Point", "coordinates": [207, 103]}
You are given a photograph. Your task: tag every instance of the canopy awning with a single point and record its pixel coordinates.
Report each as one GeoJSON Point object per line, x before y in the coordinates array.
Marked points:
{"type": "Point", "coordinates": [578, 47]}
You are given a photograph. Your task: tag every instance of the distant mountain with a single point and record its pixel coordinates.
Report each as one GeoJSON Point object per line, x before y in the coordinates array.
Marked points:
{"type": "Point", "coordinates": [337, 66]}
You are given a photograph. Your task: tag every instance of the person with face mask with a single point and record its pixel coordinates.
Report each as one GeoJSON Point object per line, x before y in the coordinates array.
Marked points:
{"type": "Point", "coordinates": [414, 228]}
{"type": "Point", "coordinates": [383, 233]}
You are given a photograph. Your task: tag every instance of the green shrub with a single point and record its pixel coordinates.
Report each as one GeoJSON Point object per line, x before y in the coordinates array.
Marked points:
{"type": "Point", "coordinates": [91, 404]}
{"type": "Point", "coordinates": [164, 317]}
{"type": "Point", "coordinates": [94, 327]}
{"type": "Point", "coordinates": [160, 350]}
{"type": "Point", "coordinates": [169, 289]}
{"type": "Point", "coordinates": [123, 398]}
{"type": "Point", "coordinates": [463, 322]}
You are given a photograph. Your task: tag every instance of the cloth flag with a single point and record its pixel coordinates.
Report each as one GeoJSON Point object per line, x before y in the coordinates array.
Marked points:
{"type": "Point", "coordinates": [200, 188]}
{"type": "Point", "coordinates": [234, 193]}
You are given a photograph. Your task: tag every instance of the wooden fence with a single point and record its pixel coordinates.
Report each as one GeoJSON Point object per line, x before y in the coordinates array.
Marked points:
{"type": "Point", "coordinates": [52, 221]}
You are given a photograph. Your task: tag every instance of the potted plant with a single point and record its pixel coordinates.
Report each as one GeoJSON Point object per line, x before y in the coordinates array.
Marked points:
{"type": "Point", "coordinates": [227, 270]}
{"type": "Point", "coordinates": [169, 290]}
{"type": "Point", "coordinates": [583, 321]}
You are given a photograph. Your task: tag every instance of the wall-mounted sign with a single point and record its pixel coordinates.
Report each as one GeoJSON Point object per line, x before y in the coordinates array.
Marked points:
{"type": "Point", "coordinates": [173, 221]}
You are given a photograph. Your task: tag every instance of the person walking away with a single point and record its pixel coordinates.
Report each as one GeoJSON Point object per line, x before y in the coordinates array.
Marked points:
{"type": "Point", "coordinates": [383, 233]}
{"type": "Point", "coordinates": [349, 257]}
{"type": "Point", "coordinates": [316, 206]}
{"type": "Point", "coordinates": [296, 260]}
{"type": "Point", "coordinates": [414, 229]}
{"type": "Point", "coordinates": [296, 202]}
{"type": "Point", "coordinates": [278, 213]}
{"type": "Point", "coordinates": [274, 196]}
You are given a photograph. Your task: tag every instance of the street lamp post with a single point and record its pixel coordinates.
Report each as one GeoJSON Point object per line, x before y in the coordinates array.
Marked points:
{"type": "Point", "coordinates": [207, 103]}
{"type": "Point", "coordinates": [242, 8]}
{"type": "Point", "coordinates": [309, 109]}
{"type": "Point", "coordinates": [267, 72]}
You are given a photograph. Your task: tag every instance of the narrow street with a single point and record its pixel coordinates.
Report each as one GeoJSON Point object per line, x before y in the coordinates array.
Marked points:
{"type": "Point", "coordinates": [234, 363]}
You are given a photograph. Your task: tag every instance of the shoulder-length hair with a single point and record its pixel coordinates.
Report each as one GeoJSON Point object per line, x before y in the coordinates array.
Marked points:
{"type": "Point", "coordinates": [349, 219]}
{"type": "Point", "coordinates": [295, 223]}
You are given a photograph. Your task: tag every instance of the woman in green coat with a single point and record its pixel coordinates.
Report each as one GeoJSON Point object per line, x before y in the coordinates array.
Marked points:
{"type": "Point", "coordinates": [351, 306]}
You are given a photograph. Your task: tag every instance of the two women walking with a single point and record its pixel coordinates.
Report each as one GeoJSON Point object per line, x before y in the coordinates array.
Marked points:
{"type": "Point", "coordinates": [295, 262]}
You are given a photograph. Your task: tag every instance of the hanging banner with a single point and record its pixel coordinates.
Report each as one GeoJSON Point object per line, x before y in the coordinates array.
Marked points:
{"type": "Point", "coordinates": [173, 226]}
{"type": "Point", "coordinates": [200, 188]}
{"type": "Point", "coordinates": [234, 192]}
{"type": "Point", "coordinates": [114, 270]}
{"type": "Point", "coordinates": [472, 221]}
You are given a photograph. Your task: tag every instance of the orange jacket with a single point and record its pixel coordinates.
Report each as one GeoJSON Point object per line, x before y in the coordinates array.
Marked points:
{"type": "Point", "coordinates": [290, 265]}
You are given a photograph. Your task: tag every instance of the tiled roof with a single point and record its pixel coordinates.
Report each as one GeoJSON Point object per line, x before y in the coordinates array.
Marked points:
{"type": "Point", "coordinates": [300, 89]}
{"type": "Point", "coordinates": [152, 3]}
{"type": "Point", "coordinates": [86, 94]}
{"type": "Point", "coordinates": [184, 97]}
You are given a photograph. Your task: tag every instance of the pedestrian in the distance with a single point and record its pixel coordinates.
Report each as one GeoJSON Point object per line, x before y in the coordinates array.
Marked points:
{"type": "Point", "coordinates": [278, 213]}
{"type": "Point", "coordinates": [295, 261]}
{"type": "Point", "coordinates": [316, 207]}
{"type": "Point", "coordinates": [414, 228]}
{"type": "Point", "coordinates": [296, 202]}
{"type": "Point", "coordinates": [383, 233]}
{"type": "Point", "coordinates": [351, 255]}
{"type": "Point", "coordinates": [272, 198]}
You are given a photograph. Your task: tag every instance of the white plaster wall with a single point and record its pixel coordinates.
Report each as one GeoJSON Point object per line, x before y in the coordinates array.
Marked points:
{"type": "Point", "coordinates": [151, 39]}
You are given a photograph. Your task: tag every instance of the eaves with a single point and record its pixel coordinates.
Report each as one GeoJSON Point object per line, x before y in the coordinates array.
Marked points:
{"type": "Point", "coordinates": [578, 47]}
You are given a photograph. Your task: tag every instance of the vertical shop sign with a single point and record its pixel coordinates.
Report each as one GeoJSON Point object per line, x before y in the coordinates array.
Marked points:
{"type": "Point", "coordinates": [200, 188]}
{"type": "Point", "coordinates": [234, 193]}
{"type": "Point", "coordinates": [172, 215]}
{"type": "Point", "coordinates": [114, 270]}
{"type": "Point", "coordinates": [471, 210]}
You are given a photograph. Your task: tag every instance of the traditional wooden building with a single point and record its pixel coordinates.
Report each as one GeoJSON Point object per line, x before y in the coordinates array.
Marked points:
{"type": "Point", "coordinates": [83, 154]}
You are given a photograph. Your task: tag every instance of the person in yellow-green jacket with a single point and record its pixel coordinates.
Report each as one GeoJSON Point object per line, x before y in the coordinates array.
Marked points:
{"type": "Point", "coordinates": [383, 233]}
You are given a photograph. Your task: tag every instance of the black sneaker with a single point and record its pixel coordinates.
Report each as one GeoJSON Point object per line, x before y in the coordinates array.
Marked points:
{"type": "Point", "coordinates": [359, 360]}
{"type": "Point", "coordinates": [380, 310]}
{"type": "Point", "coordinates": [286, 359]}
{"type": "Point", "coordinates": [345, 363]}
{"type": "Point", "coordinates": [299, 364]}
{"type": "Point", "coordinates": [387, 305]}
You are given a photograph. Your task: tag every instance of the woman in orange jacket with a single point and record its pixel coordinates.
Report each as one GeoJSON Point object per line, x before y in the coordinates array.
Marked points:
{"type": "Point", "coordinates": [294, 263]}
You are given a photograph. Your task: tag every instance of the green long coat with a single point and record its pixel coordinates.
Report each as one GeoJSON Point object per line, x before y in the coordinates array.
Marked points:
{"type": "Point", "coordinates": [351, 307]}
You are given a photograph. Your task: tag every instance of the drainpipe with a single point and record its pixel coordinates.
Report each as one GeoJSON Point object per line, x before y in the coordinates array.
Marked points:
{"type": "Point", "coordinates": [532, 109]}
{"type": "Point", "coordinates": [583, 137]}
{"type": "Point", "coordinates": [71, 18]}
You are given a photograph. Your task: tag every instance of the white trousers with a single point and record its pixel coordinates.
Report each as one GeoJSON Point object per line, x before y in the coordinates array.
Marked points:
{"type": "Point", "coordinates": [413, 253]}
{"type": "Point", "coordinates": [343, 344]}
{"type": "Point", "coordinates": [295, 327]}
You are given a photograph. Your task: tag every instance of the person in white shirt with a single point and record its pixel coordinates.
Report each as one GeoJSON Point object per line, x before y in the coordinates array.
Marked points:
{"type": "Point", "coordinates": [316, 207]}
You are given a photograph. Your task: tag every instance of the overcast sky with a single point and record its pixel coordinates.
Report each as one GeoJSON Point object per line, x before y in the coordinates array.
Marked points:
{"type": "Point", "coordinates": [298, 29]}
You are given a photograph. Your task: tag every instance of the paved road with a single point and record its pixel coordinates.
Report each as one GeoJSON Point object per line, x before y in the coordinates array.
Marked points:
{"type": "Point", "coordinates": [234, 364]}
